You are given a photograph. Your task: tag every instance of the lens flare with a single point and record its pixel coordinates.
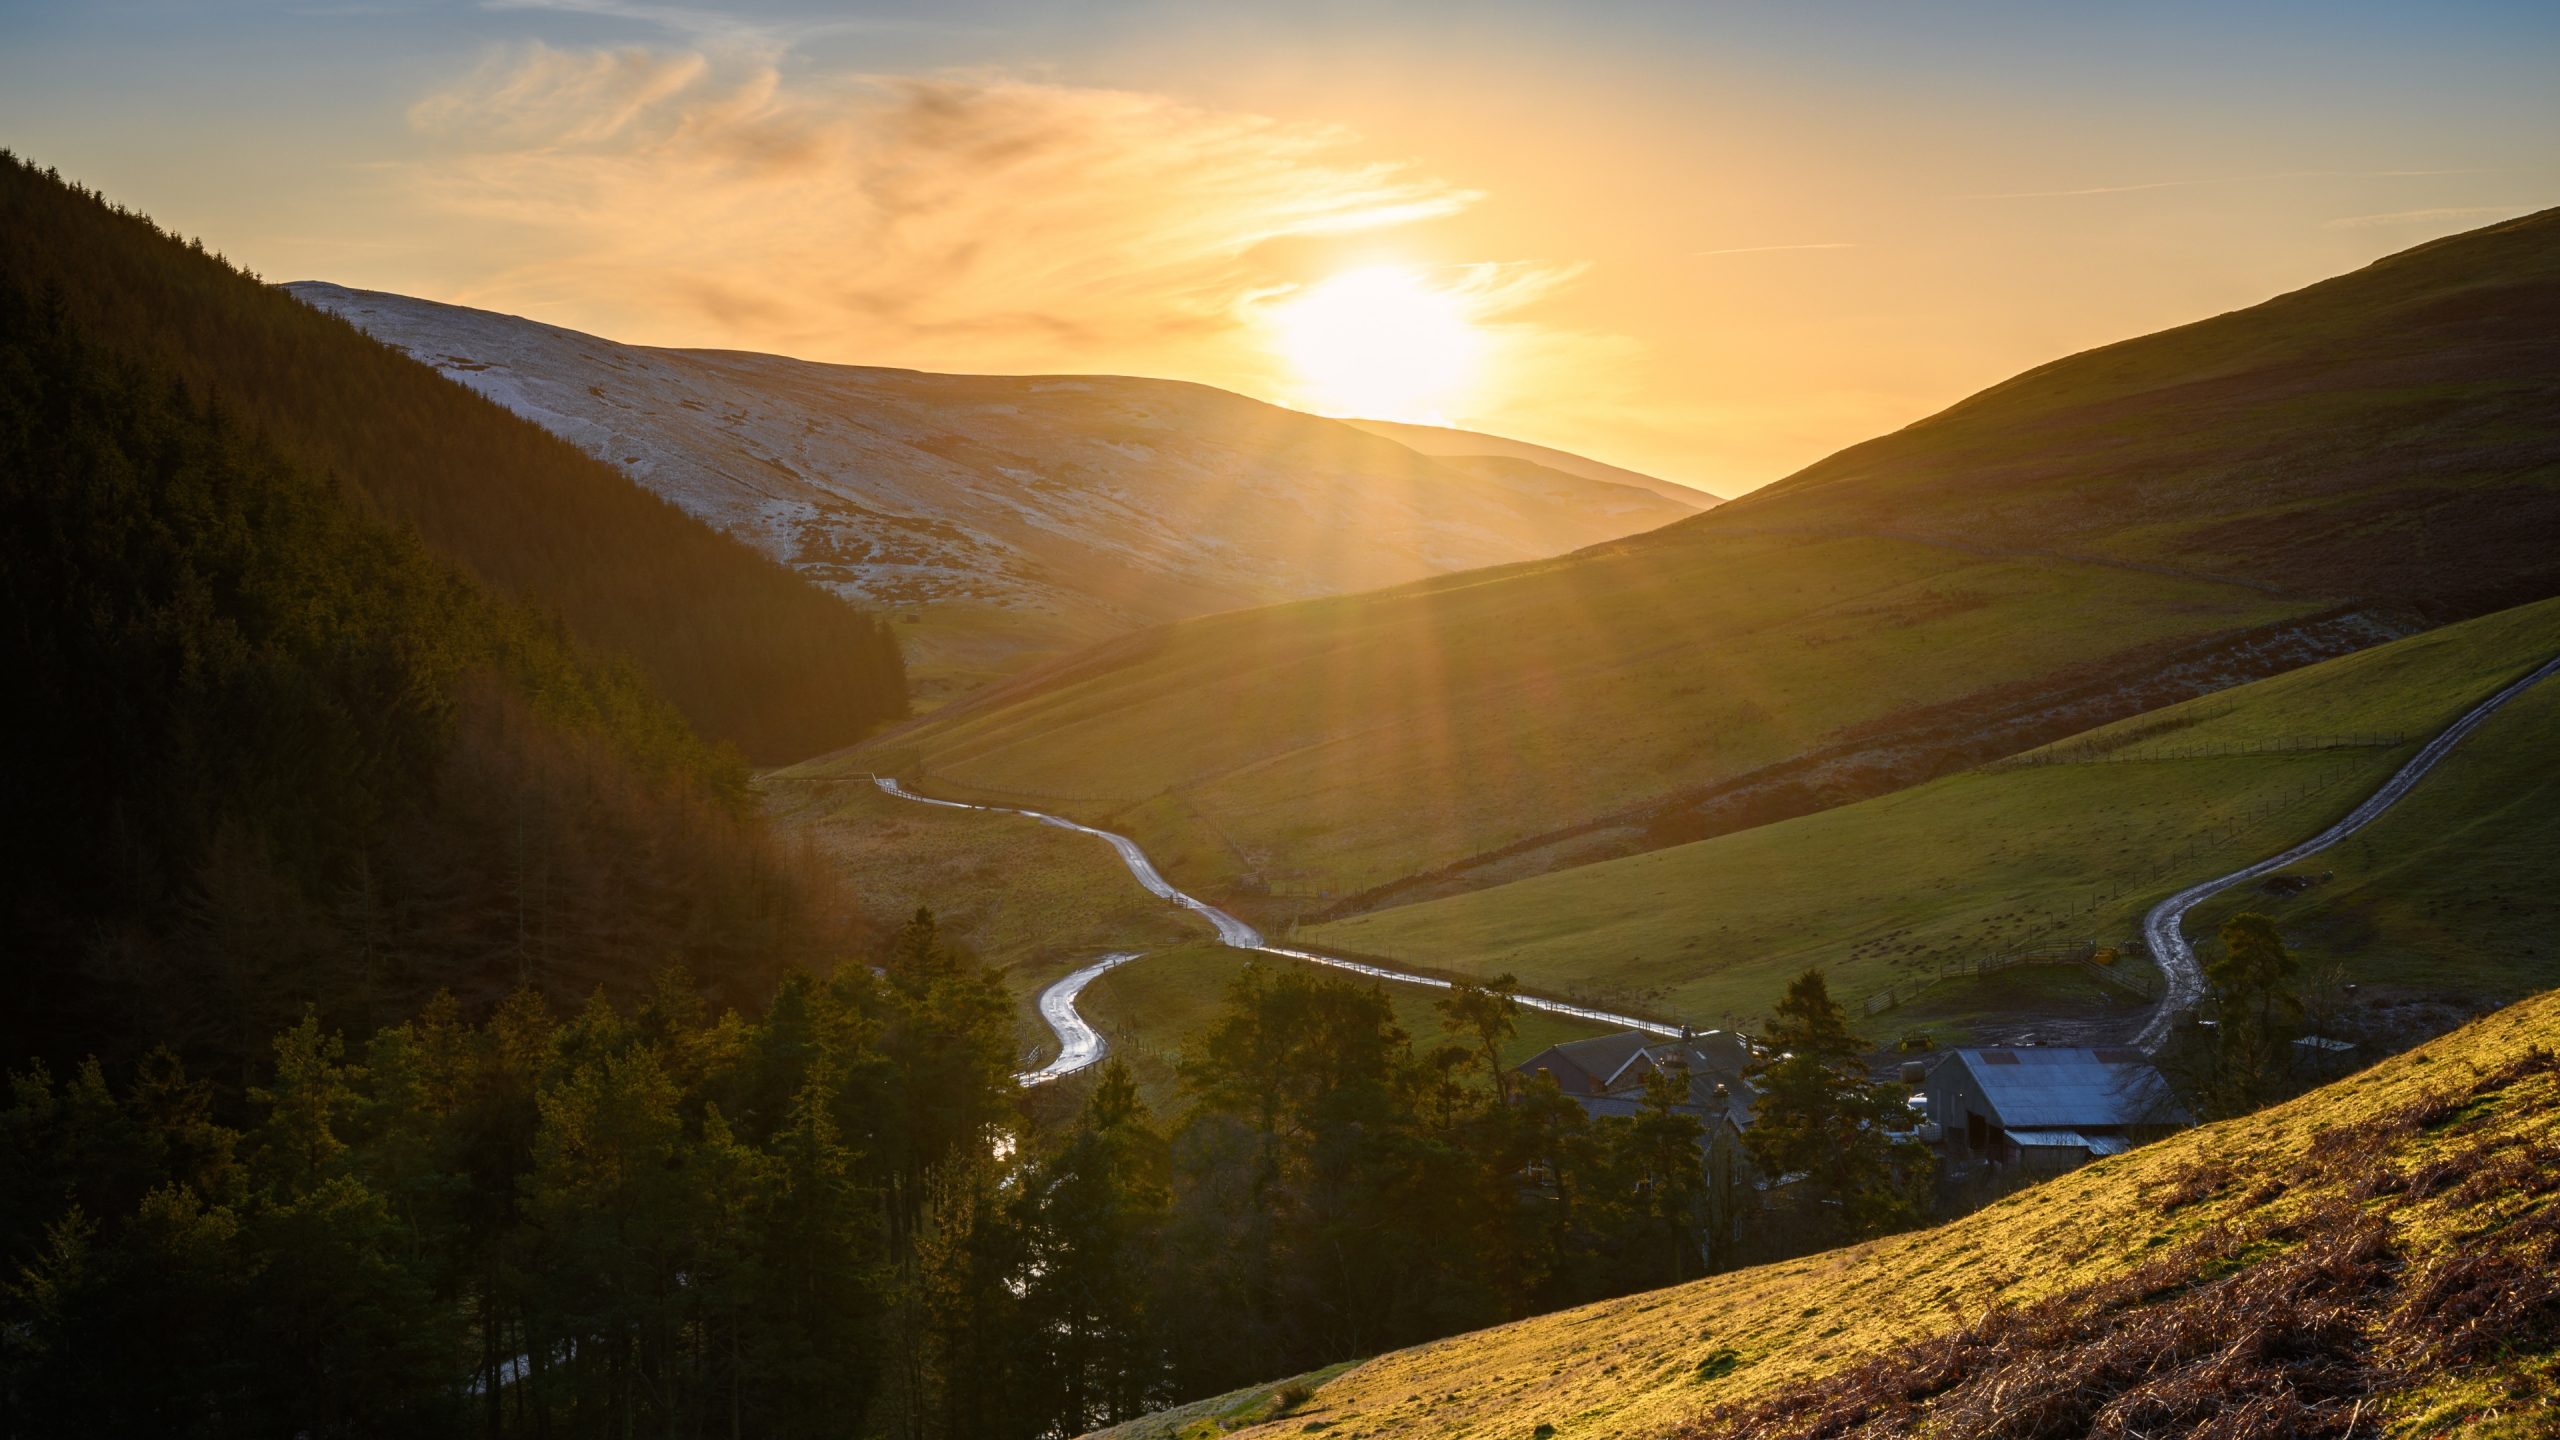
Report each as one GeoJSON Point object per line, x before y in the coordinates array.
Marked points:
{"type": "Point", "coordinates": [1380, 343]}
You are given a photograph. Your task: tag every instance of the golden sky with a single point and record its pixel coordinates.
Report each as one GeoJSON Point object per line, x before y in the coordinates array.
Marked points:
{"type": "Point", "coordinates": [1714, 243]}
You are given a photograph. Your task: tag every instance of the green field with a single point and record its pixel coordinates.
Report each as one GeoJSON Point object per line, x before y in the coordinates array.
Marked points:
{"type": "Point", "coordinates": [2205, 1209]}
{"type": "Point", "coordinates": [2440, 892]}
{"type": "Point", "coordinates": [2451, 893]}
{"type": "Point", "coordinates": [2371, 453]}
{"type": "Point", "coordinates": [1334, 745]}
{"type": "Point", "coordinates": [1037, 902]}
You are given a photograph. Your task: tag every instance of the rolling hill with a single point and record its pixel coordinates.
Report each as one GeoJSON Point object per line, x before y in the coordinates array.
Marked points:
{"type": "Point", "coordinates": [2388, 434]}
{"type": "Point", "coordinates": [1912, 607]}
{"type": "Point", "coordinates": [1009, 518]}
{"type": "Point", "coordinates": [276, 757]}
{"type": "Point", "coordinates": [2375, 1257]}
{"type": "Point", "coordinates": [2437, 902]}
{"type": "Point", "coordinates": [1445, 443]}
{"type": "Point", "coordinates": [748, 651]}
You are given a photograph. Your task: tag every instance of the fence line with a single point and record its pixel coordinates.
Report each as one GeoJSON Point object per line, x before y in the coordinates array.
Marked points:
{"type": "Point", "coordinates": [2134, 754]}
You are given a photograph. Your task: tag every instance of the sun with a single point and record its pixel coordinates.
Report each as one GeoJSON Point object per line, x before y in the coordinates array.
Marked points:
{"type": "Point", "coordinates": [1380, 343]}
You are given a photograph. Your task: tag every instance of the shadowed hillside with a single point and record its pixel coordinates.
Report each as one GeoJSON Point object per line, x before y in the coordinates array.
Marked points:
{"type": "Point", "coordinates": [272, 753]}
{"type": "Point", "coordinates": [751, 654]}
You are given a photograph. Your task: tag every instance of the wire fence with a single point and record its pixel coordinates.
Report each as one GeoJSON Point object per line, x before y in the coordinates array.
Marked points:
{"type": "Point", "coordinates": [2137, 753]}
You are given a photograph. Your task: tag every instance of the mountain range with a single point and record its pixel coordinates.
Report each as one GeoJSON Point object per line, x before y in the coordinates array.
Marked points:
{"type": "Point", "coordinates": [1006, 519]}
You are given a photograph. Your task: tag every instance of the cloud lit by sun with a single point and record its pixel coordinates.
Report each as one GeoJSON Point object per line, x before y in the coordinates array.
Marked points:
{"type": "Point", "coordinates": [1382, 343]}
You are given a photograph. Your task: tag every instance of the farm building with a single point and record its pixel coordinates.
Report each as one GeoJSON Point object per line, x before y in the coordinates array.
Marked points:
{"type": "Point", "coordinates": [1606, 1077]}
{"type": "Point", "coordinates": [2047, 1108]}
{"type": "Point", "coordinates": [1618, 1064]}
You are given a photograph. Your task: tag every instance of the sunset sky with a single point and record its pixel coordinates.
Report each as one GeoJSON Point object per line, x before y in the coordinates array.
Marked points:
{"type": "Point", "coordinates": [1711, 241]}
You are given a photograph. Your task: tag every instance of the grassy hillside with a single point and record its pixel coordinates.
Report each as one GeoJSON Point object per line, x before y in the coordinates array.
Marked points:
{"type": "Point", "coordinates": [2115, 531]}
{"type": "Point", "coordinates": [749, 652]}
{"type": "Point", "coordinates": [2381, 1249]}
{"type": "Point", "coordinates": [2449, 895]}
{"type": "Point", "coordinates": [1337, 745]}
{"type": "Point", "coordinates": [2439, 895]}
{"type": "Point", "coordinates": [2393, 433]}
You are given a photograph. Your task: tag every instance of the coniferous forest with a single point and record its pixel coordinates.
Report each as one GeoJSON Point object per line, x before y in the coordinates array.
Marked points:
{"type": "Point", "coordinates": [747, 651]}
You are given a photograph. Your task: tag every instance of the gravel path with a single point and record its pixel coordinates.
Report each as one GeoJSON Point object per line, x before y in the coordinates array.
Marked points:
{"type": "Point", "coordinates": [2164, 929]}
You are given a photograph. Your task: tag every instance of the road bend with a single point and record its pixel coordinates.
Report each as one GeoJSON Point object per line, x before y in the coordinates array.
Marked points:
{"type": "Point", "coordinates": [2164, 929]}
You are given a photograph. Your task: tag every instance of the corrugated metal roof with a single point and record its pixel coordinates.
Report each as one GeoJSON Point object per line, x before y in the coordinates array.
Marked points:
{"type": "Point", "coordinates": [2048, 1139]}
{"type": "Point", "coordinates": [2063, 1087]}
{"type": "Point", "coordinates": [2109, 1144]}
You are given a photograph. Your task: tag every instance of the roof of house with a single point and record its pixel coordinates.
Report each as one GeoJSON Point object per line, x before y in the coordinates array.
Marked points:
{"type": "Point", "coordinates": [1627, 1107]}
{"type": "Point", "coordinates": [1599, 1057]}
{"type": "Point", "coordinates": [1619, 1061]}
{"type": "Point", "coordinates": [2066, 1087]}
{"type": "Point", "coordinates": [1711, 1052]}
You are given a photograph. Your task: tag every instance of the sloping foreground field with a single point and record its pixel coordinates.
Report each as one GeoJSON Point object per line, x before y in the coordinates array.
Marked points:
{"type": "Point", "coordinates": [2442, 892]}
{"type": "Point", "coordinates": [2377, 1256]}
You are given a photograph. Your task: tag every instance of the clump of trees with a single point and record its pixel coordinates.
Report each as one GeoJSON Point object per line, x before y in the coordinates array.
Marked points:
{"type": "Point", "coordinates": [2256, 986]}
{"type": "Point", "coordinates": [1821, 1119]}
{"type": "Point", "coordinates": [658, 1219]}
{"type": "Point", "coordinates": [1328, 1188]}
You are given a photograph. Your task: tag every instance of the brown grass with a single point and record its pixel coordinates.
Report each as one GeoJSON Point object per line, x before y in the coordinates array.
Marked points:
{"type": "Point", "coordinates": [2309, 1323]}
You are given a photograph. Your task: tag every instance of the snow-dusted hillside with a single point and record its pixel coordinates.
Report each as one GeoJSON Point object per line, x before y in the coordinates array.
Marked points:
{"type": "Point", "coordinates": [1007, 517]}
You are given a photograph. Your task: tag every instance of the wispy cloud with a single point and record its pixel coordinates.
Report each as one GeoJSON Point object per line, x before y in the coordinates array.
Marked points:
{"type": "Point", "coordinates": [2435, 216]}
{"type": "Point", "coordinates": [963, 220]}
{"type": "Point", "coordinates": [1773, 249]}
{"type": "Point", "coordinates": [2213, 180]}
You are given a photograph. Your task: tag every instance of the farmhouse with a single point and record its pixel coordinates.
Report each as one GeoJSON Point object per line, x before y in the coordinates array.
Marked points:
{"type": "Point", "coordinates": [2046, 1108]}
{"type": "Point", "coordinates": [1606, 1075]}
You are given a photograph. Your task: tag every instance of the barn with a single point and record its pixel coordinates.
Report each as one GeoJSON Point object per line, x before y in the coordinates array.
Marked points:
{"type": "Point", "coordinates": [2047, 1108]}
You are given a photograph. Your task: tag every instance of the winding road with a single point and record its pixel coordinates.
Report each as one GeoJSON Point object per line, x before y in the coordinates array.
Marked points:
{"type": "Point", "coordinates": [2164, 929]}
{"type": "Point", "coordinates": [1079, 1046]}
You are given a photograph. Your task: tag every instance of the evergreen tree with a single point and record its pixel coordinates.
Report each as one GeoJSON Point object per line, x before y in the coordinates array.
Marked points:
{"type": "Point", "coordinates": [2253, 977]}
{"type": "Point", "coordinates": [1820, 1119]}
